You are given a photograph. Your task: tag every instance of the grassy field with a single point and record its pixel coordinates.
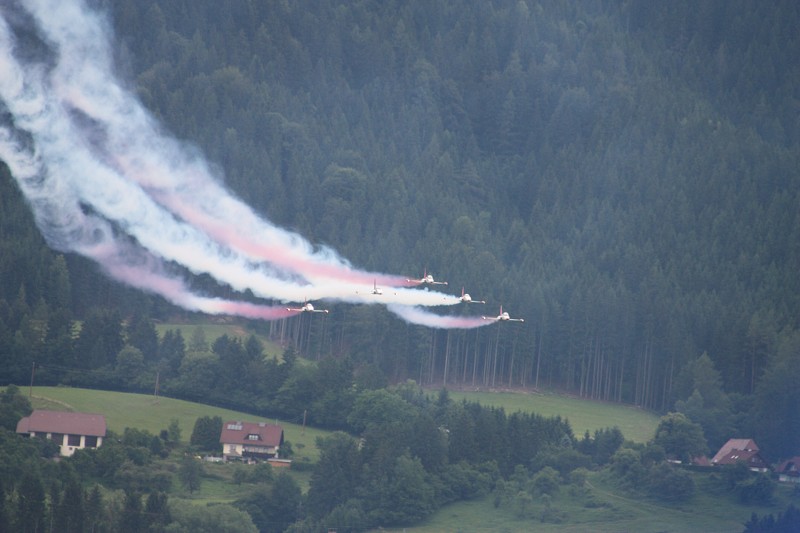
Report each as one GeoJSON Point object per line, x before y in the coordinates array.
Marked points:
{"type": "Point", "coordinates": [154, 414]}
{"type": "Point", "coordinates": [144, 411]}
{"type": "Point", "coordinates": [636, 424]}
{"type": "Point", "coordinates": [600, 508]}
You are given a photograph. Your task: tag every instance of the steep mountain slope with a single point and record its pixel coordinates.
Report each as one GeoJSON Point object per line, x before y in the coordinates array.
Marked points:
{"type": "Point", "coordinates": [622, 175]}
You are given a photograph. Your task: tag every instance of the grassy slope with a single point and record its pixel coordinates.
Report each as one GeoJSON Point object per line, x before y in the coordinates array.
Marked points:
{"type": "Point", "coordinates": [612, 511]}
{"type": "Point", "coordinates": [636, 425]}
{"type": "Point", "coordinates": [603, 508]}
{"type": "Point", "coordinates": [154, 414]}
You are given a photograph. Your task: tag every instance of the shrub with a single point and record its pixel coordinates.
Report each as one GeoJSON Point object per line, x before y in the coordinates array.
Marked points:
{"type": "Point", "coordinates": [670, 483]}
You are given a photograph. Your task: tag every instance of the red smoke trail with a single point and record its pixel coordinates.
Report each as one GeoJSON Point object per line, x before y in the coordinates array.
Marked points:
{"type": "Point", "coordinates": [146, 276]}
{"type": "Point", "coordinates": [189, 191]}
{"type": "Point", "coordinates": [119, 170]}
{"type": "Point", "coordinates": [169, 173]}
{"type": "Point", "coordinates": [282, 255]}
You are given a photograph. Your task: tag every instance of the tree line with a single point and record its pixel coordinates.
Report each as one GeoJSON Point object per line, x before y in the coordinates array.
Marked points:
{"type": "Point", "coordinates": [406, 455]}
{"type": "Point", "coordinates": [623, 177]}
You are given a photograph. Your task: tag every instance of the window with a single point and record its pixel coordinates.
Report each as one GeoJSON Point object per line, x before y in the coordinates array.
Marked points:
{"type": "Point", "coordinates": [90, 442]}
{"type": "Point", "coordinates": [73, 440]}
{"type": "Point", "coordinates": [252, 436]}
{"type": "Point", "coordinates": [235, 427]}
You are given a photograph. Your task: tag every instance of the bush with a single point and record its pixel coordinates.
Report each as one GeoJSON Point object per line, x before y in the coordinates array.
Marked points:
{"type": "Point", "coordinates": [578, 477]}
{"type": "Point", "coordinates": [206, 432]}
{"type": "Point", "coordinates": [670, 483]}
{"type": "Point", "coordinates": [565, 460]}
{"type": "Point", "coordinates": [260, 473]}
{"type": "Point", "coordinates": [756, 489]}
{"type": "Point", "coordinates": [627, 466]}
{"type": "Point", "coordinates": [13, 406]}
{"type": "Point", "coordinates": [547, 481]}
{"type": "Point", "coordinates": [462, 481]}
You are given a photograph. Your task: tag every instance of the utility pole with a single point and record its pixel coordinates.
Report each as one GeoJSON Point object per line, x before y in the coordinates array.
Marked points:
{"type": "Point", "coordinates": [155, 392]}
{"type": "Point", "coordinates": [305, 411]}
{"type": "Point", "coordinates": [30, 389]}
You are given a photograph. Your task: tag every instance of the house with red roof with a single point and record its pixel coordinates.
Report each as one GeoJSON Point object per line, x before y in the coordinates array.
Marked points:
{"type": "Point", "coordinates": [740, 450]}
{"type": "Point", "coordinates": [789, 470]}
{"type": "Point", "coordinates": [251, 441]}
{"type": "Point", "coordinates": [71, 431]}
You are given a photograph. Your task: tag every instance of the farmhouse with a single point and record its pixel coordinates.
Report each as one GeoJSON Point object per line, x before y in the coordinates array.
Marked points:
{"type": "Point", "coordinates": [744, 450]}
{"type": "Point", "coordinates": [71, 431]}
{"type": "Point", "coordinates": [250, 441]}
{"type": "Point", "coordinates": [789, 470]}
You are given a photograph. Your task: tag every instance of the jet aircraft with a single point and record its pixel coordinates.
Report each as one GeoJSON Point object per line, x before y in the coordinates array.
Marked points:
{"type": "Point", "coordinates": [503, 316]}
{"type": "Point", "coordinates": [426, 279]}
{"type": "Point", "coordinates": [306, 308]}
{"type": "Point", "coordinates": [375, 289]}
{"type": "Point", "coordinates": [467, 299]}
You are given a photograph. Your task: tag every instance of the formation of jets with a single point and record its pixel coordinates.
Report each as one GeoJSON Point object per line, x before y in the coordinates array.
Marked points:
{"type": "Point", "coordinates": [426, 279]}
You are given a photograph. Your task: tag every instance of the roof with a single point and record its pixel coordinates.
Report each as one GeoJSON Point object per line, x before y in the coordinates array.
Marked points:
{"type": "Point", "coordinates": [734, 444]}
{"type": "Point", "coordinates": [41, 421]}
{"type": "Point", "coordinates": [790, 467]}
{"type": "Point", "coordinates": [750, 457]}
{"type": "Point", "coordinates": [251, 433]}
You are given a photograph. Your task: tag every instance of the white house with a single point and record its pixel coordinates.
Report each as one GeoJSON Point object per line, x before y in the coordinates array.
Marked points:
{"type": "Point", "coordinates": [249, 440]}
{"type": "Point", "coordinates": [71, 431]}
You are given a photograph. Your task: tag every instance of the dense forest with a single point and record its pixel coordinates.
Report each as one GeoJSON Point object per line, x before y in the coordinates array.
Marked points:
{"type": "Point", "coordinates": [622, 174]}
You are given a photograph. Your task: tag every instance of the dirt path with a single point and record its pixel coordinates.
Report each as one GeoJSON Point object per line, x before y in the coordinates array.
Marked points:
{"type": "Point", "coordinates": [52, 400]}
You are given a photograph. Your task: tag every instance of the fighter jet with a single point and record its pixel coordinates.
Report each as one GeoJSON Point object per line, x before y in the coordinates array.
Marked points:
{"type": "Point", "coordinates": [426, 279]}
{"type": "Point", "coordinates": [503, 316]}
{"type": "Point", "coordinates": [306, 308]}
{"type": "Point", "coordinates": [375, 289]}
{"type": "Point", "coordinates": [467, 299]}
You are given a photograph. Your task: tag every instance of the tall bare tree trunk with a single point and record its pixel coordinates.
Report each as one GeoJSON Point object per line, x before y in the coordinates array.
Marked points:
{"type": "Point", "coordinates": [446, 359]}
{"type": "Point", "coordinates": [494, 363]}
{"type": "Point", "coordinates": [538, 358]}
{"type": "Point", "coordinates": [475, 358]}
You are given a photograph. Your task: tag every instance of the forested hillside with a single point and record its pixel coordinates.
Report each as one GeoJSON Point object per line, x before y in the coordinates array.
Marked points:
{"type": "Point", "coordinates": [623, 175]}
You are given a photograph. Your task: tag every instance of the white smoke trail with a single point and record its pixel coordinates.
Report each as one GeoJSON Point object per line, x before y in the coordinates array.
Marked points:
{"type": "Point", "coordinates": [84, 79]}
{"type": "Point", "coordinates": [415, 315]}
{"type": "Point", "coordinates": [102, 165]}
{"type": "Point", "coordinates": [70, 229]}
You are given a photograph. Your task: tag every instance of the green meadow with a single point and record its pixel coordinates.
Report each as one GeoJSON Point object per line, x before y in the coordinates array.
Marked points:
{"type": "Point", "coordinates": [583, 415]}
{"type": "Point", "coordinates": [601, 507]}
{"type": "Point", "coordinates": [153, 414]}
{"type": "Point", "coordinates": [598, 507]}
